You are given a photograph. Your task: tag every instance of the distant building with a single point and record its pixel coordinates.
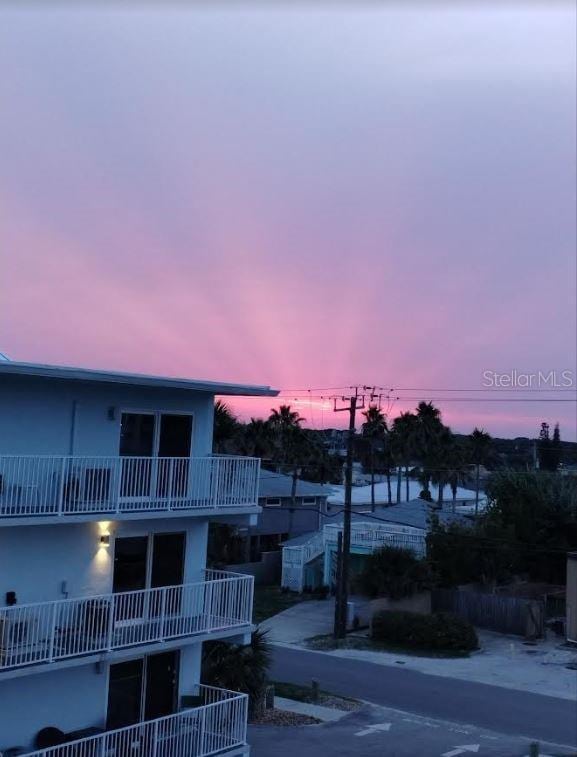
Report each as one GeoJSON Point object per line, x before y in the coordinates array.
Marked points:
{"type": "Point", "coordinates": [257, 549]}
{"type": "Point", "coordinates": [309, 560]}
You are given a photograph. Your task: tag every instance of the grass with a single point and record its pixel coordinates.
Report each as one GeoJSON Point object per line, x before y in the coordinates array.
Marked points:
{"type": "Point", "coordinates": [270, 600]}
{"type": "Point", "coordinates": [303, 693]}
{"type": "Point", "coordinates": [329, 643]}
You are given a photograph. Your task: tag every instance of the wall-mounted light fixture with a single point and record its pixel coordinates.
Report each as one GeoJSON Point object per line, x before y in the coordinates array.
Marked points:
{"type": "Point", "coordinates": [111, 413]}
{"type": "Point", "coordinates": [105, 540]}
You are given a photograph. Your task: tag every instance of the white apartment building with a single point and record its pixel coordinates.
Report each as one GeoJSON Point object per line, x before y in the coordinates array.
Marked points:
{"type": "Point", "coordinates": [107, 487]}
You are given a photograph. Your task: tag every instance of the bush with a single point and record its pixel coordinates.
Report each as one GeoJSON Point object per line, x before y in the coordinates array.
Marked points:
{"type": "Point", "coordinates": [437, 632]}
{"type": "Point", "coordinates": [392, 572]}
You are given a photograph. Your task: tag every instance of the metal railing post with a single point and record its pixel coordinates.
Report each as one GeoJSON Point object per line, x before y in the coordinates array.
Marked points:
{"type": "Point", "coordinates": [162, 613]}
{"type": "Point", "coordinates": [154, 739]}
{"type": "Point", "coordinates": [61, 486]}
{"type": "Point", "coordinates": [52, 635]}
{"type": "Point", "coordinates": [110, 629]}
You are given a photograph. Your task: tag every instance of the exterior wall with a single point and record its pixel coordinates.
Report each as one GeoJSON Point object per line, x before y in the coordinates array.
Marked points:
{"type": "Point", "coordinates": [70, 699]}
{"type": "Point", "coordinates": [58, 417]}
{"type": "Point", "coordinates": [67, 699]}
{"type": "Point", "coordinates": [36, 560]}
{"type": "Point", "coordinates": [278, 520]}
{"type": "Point", "coordinates": [266, 572]}
{"type": "Point", "coordinates": [572, 597]}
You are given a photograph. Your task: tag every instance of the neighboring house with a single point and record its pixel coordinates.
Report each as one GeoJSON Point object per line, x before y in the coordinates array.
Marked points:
{"type": "Point", "coordinates": [257, 549]}
{"type": "Point", "coordinates": [571, 597]}
{"type": "Point", "coordinates": [107, 487]}
{"type": "Point", "coordinates": [309, 561]}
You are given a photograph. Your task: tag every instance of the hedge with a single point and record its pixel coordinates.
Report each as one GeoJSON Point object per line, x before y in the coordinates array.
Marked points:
{"type": "Point", "coordinates": [438, 632]}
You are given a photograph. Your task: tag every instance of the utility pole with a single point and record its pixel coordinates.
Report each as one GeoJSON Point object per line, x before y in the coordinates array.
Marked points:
{"type": "Point", "coordinates": [354, 402]}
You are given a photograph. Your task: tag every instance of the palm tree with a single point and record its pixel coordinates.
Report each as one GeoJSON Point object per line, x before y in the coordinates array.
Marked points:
{"type": "Point", "coordinates": [225, 426]}
{"type": "Point", "coordinates": [440, 458]}
{"type": "Point", "coordinates": [405, 433]}
{"type": "Point", "coordinates": [257, 438]}
{"type": "Point", "coordinates": [239, 667]}
{"type": "Point", "coordinates": [285, 418]}
{"type": "Point", "coordinates": [458, 472]}
{"type": "Point", "coordinates": [480, 445]}
{"type": "Point", "coordinates": [428, 430]}
{"type": "Point", "coordinates": [374, 429]}
{"type": "Point", "coordinates": [284, 423]}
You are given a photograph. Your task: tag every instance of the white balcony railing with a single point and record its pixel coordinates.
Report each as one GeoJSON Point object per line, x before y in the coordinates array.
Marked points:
{"type": "Point", "coordinates": [372, 537]}
{"type": "Point", "coordinates": [35, 634]}
{"type": "Point", "coordinates": [217, 725]}
{"type": "Point", "coordinates": [60, 486]}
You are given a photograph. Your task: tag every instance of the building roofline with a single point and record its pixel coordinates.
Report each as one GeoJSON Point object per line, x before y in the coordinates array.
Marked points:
{"type": "Point", "coordinates": [90, 375]}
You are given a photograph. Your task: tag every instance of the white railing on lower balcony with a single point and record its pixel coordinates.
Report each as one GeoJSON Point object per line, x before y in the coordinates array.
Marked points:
{"type": "Point", "coordinates": [35, 634]}
{"type": "Point", "coordinates": [60, 486]}
{"type": "Point", "coordinates": [217, 725]}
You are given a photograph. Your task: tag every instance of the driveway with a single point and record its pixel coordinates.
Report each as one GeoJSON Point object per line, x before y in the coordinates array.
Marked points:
{"type": "Point", "coordinates": [300, 622]}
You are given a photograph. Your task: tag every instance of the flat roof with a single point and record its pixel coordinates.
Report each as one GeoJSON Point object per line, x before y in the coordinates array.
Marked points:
{"type": "Point", "coordinates": [68, 373]}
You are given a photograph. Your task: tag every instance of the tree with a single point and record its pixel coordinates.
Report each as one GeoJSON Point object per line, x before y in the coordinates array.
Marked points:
{"type": "Point", "coordinates": [373, 430]}
{"type": "Point", "coordinates": [458, 473]}
{"type": "Point", "coordinates": [237, 667]}
{"type": "Point", "coordinates": [539, 509]}
{"type": "Point", "coordinates": [480, 443]}
{"type": "Point", "coordinates": [549, 450]}
{"type": "Point", "coordinates": [257, 439]}
{"type": "Point", "coordinates": [428, 430]}
{"type": "Point", "coordinates": [225, 426]}
{"type": "Point", "coordinates": [480, 553]}
{"type": "Point", "coordinates": [556, 452]}
{"type": "Point", "coordinates": [405, 429]}
{"type": "Point", "coordinates": [440, 459]}
{"type": "Point", "coordinates": [393, 572]}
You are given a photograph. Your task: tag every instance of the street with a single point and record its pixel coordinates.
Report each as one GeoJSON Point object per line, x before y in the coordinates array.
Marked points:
{"type": "Point", "coordinates": [376, 731]}
{"type": "Point", "coordinates": [497, 709]}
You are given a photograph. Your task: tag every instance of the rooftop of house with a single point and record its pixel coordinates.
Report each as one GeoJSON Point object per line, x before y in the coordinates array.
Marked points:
{"type": "Point", "coordinates": [415, 512]}
{"type": "Point", "coordinates": [273, 484]}
{"type": "Point", "coordinates": [89, 375]}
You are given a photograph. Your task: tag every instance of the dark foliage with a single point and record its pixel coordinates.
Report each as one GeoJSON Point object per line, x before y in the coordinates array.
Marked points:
{"type": "Point", "coordinates": [392, 572]}
{"type": "Point", "coordinates": [437, 632]}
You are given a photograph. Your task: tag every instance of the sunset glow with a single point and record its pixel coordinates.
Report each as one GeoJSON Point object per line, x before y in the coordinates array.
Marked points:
{"type": "Point", "coordinates": [384, 196]}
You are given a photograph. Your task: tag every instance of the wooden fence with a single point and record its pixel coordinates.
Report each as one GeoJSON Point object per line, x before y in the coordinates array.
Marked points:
{"type": "Point", "coordinates": [524, 617]}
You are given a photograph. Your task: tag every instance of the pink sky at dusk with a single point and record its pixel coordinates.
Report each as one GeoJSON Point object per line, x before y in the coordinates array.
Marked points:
{"type": "Point", "coordinates": [311, 196]}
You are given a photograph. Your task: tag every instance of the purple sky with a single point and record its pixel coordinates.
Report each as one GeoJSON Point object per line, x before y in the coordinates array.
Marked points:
{"type": "Point", "coordinates": [312, 196]}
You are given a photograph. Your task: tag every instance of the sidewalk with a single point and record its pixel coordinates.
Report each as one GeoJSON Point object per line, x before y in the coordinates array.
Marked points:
{"type": "Point", "coordinates": [502, 661]}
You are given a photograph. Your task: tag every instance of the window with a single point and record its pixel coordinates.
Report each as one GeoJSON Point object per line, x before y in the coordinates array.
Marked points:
{"type": "Point", "coordinates": [309, 500]}
{"type": "Point", "coordinates": [273, 502]}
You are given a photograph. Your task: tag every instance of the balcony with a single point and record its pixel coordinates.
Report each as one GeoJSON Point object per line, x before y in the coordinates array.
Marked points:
{"type": "Point", "coordinates": [46, 488]}
{"type": "Point", "coordinates": [217, 726]}
{"type": "Point", "coordinates": [44, 633]}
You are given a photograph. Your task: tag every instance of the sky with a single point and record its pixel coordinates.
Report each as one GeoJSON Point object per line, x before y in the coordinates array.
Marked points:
{"type": "Point", "coordinates": [305, 195]}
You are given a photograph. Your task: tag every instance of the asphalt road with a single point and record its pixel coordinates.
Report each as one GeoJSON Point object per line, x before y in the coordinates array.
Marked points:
{"type": "Point", "coordinates": [376, 731]}
{"type": "Point", "coordinates": [495, 708]}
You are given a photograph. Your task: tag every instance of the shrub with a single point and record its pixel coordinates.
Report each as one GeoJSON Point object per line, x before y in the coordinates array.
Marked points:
{"type": "Point", "coordinates": [437, 632]}
{"type": "Point", "coordinates": [238, 667]}
{"type": "Point", "coordinates": [392, 572]}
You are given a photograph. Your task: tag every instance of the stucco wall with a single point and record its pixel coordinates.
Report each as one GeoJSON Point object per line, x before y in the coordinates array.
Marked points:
{"type": "Point", "coordinates": [67, 699]}
{"type": "Point", "coordinates": [37, 415]}
{"type": "Point", "coordinates": [35, 560]}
